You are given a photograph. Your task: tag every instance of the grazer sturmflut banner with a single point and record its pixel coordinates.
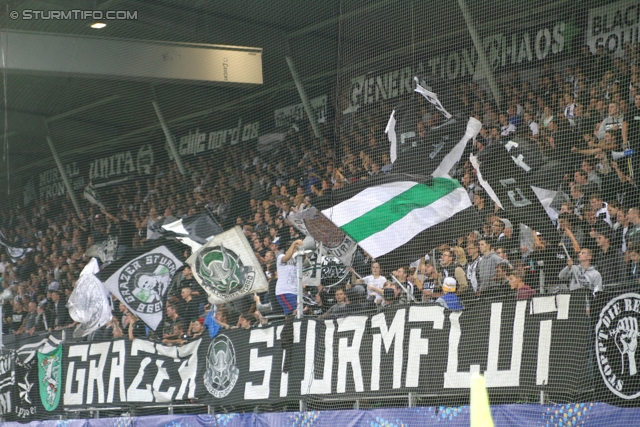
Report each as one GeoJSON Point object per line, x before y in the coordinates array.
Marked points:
{"type": "Point", "coordinates": [521, 347]}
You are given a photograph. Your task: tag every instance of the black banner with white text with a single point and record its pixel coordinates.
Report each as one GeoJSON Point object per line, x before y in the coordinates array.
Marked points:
{"type": "Point", "coordinates": [521, 347]}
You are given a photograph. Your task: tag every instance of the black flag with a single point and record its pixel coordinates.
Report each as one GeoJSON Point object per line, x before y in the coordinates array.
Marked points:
{"type": "Point", "coordinates": [430, 149]}
{"type": "Point", "coordinates": [505, 170]}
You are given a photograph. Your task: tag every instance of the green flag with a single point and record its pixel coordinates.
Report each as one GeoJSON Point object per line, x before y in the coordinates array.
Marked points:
{"type": "Point", "coordinates": [50, 377]}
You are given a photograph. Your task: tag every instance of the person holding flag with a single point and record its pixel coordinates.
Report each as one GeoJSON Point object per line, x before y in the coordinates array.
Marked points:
{"type": "Point", "coordinates": [287, 284]}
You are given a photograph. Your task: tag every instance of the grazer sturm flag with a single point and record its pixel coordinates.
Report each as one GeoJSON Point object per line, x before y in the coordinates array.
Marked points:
{"type": "Point", "coordinates": [89, 302]}
{"type": "Point", "coordinates": [227, 268]}
{"type": "Point", "coordinates": [91, 194]}
{"type": "Point", "coordinates": [335, 242]}
{"type": "Point", "coordinates": [399, 217]}
{"type": "Point", "coordinates": [141, 282]}
{"type": "Point", "coordinates": [50, 378]}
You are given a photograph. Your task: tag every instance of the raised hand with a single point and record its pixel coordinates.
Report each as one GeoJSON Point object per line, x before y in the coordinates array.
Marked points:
{"type": "Point", "coordinates": [626, 339]}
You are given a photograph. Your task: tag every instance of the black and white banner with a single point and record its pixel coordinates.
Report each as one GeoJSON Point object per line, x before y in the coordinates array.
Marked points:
{"type": "Point", "coordinates": [295, 113]}
{"type": "Point", "coordinates": [521, 347]}
{"type": "Point", "coordinates": [612, 25]}
{"type": "Point", "coordinates": [7, 383]}
{"type": "Point", "coordinates": [205, 138]}
{"type": "Point", "coordinates": [123, 371]}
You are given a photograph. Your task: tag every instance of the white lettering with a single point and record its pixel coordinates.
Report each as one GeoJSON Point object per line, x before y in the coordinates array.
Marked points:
{"type": "Point", "coordinates": [350, 354]}
{"type": "Point", "coordinates": [387, 336]}
{"type": "Point", "coordinates": [117, 373]}
{"type": "Point", "coordinates": [96, 371]}
{"type": "Point", "coordinates": [135, 394]}
{"type": "Point", "coordinates": [258, 364]}
{"type": "Point", "coordinates": [188, 369]}
{"type": "Point", "coordinates": [511, 377]}
{"type": "Point", "coordinates": [417, 345]}
{"type": "Point", "coordinates": [69, 397]}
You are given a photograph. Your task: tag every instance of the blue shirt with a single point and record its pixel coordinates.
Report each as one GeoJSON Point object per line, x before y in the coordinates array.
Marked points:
{"type": "Point", "coordinates": [452, 302]}
{"type": "Point", "coordinates": [211, 324]}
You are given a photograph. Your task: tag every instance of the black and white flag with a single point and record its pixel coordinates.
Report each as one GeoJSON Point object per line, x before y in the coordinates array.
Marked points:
{"type": "Point", "coordinates": [505, 170]}
{"type": "Point", "coordinates": [335, 242]}
{"type": "Point", "coordinates": [105, 250]}
{"type": "Point", "coordinates": [193, 231]}
{"type": "Point", "coordinates": [89, 302]}
{"type": "Point", "coordinates": [441, 147]}
{"type": "Point", "coordinates": [13, 252]}
{"type": "Point", "coordinates": [141, 283]}
{"type": "Point", "coordinates": [91, 194]}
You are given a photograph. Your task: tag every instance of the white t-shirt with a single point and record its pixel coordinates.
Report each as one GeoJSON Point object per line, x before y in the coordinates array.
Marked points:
{"type": "Point", "coordinates": [378, 283]}
{"type": "Point", "coordinates": [287, 276]}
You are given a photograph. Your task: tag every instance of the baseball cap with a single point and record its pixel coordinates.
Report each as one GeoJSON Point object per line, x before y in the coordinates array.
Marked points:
{"type": "Point", "coordinates": [449, 284]}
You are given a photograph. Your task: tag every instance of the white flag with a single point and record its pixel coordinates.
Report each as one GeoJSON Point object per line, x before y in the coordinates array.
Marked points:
{"type": "Point", "coordinates": [227, 268]}
{"type": "Point", "coordinates": [89, 301]}
{"type": "Point", "coordinates": [391, 134]}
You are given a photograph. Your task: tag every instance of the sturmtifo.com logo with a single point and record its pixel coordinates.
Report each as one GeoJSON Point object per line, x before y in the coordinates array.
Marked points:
{"type": "Point", "coordinates": [616, 345]}
{"type": "Point", "coordinates": [221, 374]}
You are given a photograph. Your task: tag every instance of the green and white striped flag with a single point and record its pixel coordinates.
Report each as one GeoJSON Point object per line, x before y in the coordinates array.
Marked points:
{"type": "Point", "coordinates": [399, 215]}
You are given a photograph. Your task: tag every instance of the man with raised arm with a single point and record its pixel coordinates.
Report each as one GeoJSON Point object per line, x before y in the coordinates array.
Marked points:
{"type": "Point", "coordinates": [583, 275]}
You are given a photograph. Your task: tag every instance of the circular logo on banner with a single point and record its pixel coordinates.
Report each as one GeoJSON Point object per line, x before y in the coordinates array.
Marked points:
{"type": "Point", "coordinates": [222, 271]}
{"type": "Point", "coordinates": [221, 374]}
{"type": "Point", "coordinates": [617, 344]}
{"type": "Point", "coordinates": [147, 282]}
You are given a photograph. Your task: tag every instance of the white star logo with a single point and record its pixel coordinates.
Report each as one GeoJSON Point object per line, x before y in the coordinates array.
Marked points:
{"type": "Point", "coordinates": [25, 389]}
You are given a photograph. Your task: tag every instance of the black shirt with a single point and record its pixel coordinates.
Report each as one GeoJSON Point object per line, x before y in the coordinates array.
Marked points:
{"type": "Point", "coordinates": [188, 310]}
{"type": "Point", "coordinates": [139, 330]}
{"type": "Point", "coordinates": [17, 318]}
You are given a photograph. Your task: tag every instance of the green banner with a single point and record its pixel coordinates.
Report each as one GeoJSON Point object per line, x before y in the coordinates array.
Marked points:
{"type": "Point", "coordinates": [50, 378]}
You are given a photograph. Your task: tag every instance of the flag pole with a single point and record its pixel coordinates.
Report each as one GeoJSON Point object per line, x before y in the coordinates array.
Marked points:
{"type": "Point", "coordinates": [411, 298]}
{"type": "Point", "coordinates": [169, 138]}
{"type": "Point", "coordinates": [63, 175]}
{"type": "Point", "coordinates": [575, 275]}
{"type": "Point", "coordinates": [299, 259]}
{"type": "Point", "coordinates": [483, 63]}
{"type": "Point", "coordinates": [303, 96]}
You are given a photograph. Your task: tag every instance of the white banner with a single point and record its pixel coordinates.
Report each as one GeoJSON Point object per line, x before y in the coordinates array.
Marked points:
{"type": "Point", "coordinates": [227, 268]}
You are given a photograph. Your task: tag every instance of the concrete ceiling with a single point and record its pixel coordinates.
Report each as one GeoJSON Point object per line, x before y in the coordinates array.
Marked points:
{"type": "Point", "coordinates": [84, 113]}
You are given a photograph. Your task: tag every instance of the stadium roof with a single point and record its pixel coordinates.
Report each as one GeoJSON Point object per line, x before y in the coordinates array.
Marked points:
{"type": "Point", "coordinates": [85, 112]}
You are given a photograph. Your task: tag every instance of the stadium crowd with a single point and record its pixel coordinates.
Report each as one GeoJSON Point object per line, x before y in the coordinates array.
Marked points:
{"type": "Point", "coordinates": [587, 114]}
